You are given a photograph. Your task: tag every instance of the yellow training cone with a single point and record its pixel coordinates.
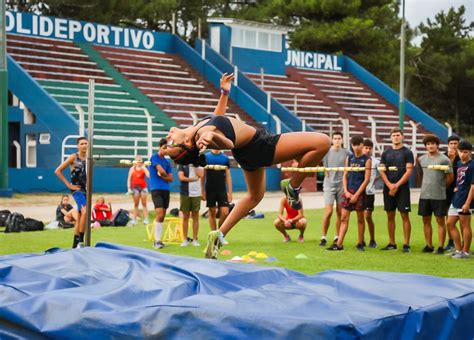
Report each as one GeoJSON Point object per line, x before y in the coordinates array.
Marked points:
{"type": "Point", "coordinates": [245, 258]}
{"type": "Point", "coordinates": [261, 256]}
{"type": "Point", "coordinates": [252, 253]}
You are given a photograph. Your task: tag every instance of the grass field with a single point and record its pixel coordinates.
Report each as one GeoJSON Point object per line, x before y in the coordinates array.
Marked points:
{"type": "Point", "coordinates": [260, 235]}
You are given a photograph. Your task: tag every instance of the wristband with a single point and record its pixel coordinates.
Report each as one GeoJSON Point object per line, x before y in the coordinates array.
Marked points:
{"type": "Point", "coordinates": [224, 92]}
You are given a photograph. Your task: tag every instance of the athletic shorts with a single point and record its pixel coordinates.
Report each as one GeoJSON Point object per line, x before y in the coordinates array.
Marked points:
{"type": "Point", "coordinates": [400, 201]}
{"type": "Point", "coordinates": [189, 204]}
{"type": "Point", "coordinates": [452, 211]}
{"type": "Point", "coordinates": [258, 153]}
{"type": "Point", "coordinates": [369, 202]}
{"type": "Point", "coordinates": [80, 198]}
{"type": "Point", "coordinates": [333, 193]}
{"type": "Point", "coordinates": [138, 190]}
{"type": "Point", "coordinates": [161, 198]}
{"type": "Point", "coordinates": [216, 198]}
{"type": "Point", "coordinates": [357, 206]}
{"type": "Point", "coordinates": [427, 207]}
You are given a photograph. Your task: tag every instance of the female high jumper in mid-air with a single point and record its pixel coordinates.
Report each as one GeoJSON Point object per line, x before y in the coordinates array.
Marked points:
{"type": "Point", "coordinates": [254, 149]}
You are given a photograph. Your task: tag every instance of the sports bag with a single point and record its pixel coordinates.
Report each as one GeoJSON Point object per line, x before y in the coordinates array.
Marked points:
{"type": "Point", "coordinates": [33, 225]}
{"type": "Point", "coordinates": [120, 218]}
{"type": "Point", "coordinates": [15, 223]}
{"type": "Point", "coordinates": [3, 217]}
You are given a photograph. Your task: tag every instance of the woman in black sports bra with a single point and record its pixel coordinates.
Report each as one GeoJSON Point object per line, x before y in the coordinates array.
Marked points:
{"type": "Point", "coordinates": [253, 149]}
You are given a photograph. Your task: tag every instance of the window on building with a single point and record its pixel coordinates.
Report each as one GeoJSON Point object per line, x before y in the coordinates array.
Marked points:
{"type": "Point", "coordinates": [251, 38]}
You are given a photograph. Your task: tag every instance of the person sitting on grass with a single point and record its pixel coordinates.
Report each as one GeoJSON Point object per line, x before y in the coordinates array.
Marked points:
{"type": "Point", "coordinates": [354, 184]}
{"type": "Point", "coordinates": [433, 192]}
{"type": "Point", "coordinates": [462, 206]}
{"type": "Point", "coordinates": [254, 149]}
{"type": "Point", "coordinates": [102, 212]}
{"type": "Point", "coordinates": [66, 215]}
{"type": "Point", "coordinates": [294, 220]}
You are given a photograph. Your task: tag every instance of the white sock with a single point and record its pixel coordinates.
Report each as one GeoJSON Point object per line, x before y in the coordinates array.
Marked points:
{"type": "Point", "coordinates": [158, 230]}
{"type": "Point", "coordinates": [221, 236]}
{"type": "Point", "coordinates": [323, 237]}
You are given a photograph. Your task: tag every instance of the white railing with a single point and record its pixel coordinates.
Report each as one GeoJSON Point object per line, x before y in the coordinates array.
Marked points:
{"type": "Point", "coordinates": [345, 131]}
{"type": "Point", "coordinates": [18, 154]}
{"type": "Point", "coordinates": [373, 128]}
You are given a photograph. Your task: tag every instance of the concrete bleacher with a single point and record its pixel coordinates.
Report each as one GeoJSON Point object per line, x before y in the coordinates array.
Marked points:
{"type": "Point", "coordinates": [323, 98]}
{"type": "Point", "coordinates": [359, 102]}
{"type": "Point", "coordinates": [63, 70]}
{"type": "Point", "coordinates": [302, 101]}
{"type": "Point", "coordinates": [170, 84]}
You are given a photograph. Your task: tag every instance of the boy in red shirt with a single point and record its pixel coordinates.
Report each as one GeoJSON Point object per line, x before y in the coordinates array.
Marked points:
{"type": "Point", "coordinates": [294, 220]}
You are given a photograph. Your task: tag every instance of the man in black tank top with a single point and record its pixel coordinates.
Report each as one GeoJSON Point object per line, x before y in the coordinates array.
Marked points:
{"type": "Point", "coordinates": [77, 164]}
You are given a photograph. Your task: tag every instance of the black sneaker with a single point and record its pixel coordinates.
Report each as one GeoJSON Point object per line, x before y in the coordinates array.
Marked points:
{"type": "Point", "coordinates": [406, 248]}
{"type": "Point", "coordinates": [335, 240]}
{"type": "Point", "coordinates": [360, 246]}
{"type": "Point", "coordinates": [449, 246]}
{"type": "Point", "coordinates": [372, 244]}
{"type": "Point", "coordinates": [426, 249]}
{"type": "Point", "coordinates": [323, 242]}
{"type": "Point", "coordinates": [440, 250]}
{"type": "Point", "coordinates": [390, 247]}
{"type": "Point", "coordinates": [335, 247]}
{"type": "Point", "coordinates": [364, 244]}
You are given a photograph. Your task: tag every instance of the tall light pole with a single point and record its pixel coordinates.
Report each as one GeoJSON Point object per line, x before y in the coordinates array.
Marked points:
{"type": "Point", "coordinates": [401, 104]}
{"type": "Point", "coordinates": [4, 191]}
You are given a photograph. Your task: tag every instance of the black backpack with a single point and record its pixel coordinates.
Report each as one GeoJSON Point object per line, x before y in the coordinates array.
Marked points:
{"type": "Point", "coordinates": [15, 223]}
{"type": "Point", "coordinates": [120, 218]}
{"type": "Point", "coordinates": [33, 225]}
{"type": "Point", "coordinates": [3, 217]}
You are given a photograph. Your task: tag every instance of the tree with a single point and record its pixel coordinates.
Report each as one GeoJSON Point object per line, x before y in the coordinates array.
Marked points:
{"type": "Point", "coordinates": [442, 70]}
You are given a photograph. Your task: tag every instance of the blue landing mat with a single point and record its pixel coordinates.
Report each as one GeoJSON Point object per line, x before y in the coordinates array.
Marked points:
{"type": "Point", "coordinates": [115, 292]}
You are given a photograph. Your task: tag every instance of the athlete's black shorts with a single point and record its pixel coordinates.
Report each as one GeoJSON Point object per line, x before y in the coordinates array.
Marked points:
{"type": "Point", "coordinates": [259, 152]}
{"type": "Point", "coordinates": [216, 198]}
{"type": "Point", "coordinates": [369, 202]}
{"type": "Point", "coordinates": [161, 198]}
{"type": "Point", "coordinates": [427, 207]}
{"type": "Point", "coordinates": [400, 201]}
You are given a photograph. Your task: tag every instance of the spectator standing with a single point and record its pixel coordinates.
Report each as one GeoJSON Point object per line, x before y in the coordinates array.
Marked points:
{"type": "Point", "coordinates": [354, 184]}
{"type": "Point", "coordinates": [136, 184]}
{"type": "Point", "coordinates": [370, 192]}
{"type": "Point", "coordinates": [78, 183]}
{"type": "Point", "coordinates": [396, 191]}
{"type": "Point", "coordinates": [461, 208]}
{"type": "Point", "coordinates": [332, 185]}
{"type": "Point", "coordinates": [217, 185]}
{"type": "Point", "coordinates": [160, 178]}
{"type": "Point", "coordinates": [190, 200]}
{"type": "Point", "coordinates": [452, 154]}
{"type": "Point", "coordinates": [433, 192]}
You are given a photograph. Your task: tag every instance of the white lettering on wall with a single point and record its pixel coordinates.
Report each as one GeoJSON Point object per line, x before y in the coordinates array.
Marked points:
{"type": "Point", "coordinates": [312, 60]}
{"type": "Point", "coordinates": [59, 28]}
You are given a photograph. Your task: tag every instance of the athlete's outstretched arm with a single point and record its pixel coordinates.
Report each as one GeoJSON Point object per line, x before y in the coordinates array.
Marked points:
{"type": "Point", "coordinates": [226, 84]}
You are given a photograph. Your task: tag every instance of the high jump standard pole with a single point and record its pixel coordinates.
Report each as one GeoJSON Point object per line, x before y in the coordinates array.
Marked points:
{"type": "Point", "coordinates": [90, 162]}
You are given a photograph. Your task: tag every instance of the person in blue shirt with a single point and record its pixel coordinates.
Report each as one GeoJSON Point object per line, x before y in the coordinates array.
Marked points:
{"type": "Point", "coordinates": [160, 178]}
{"type": "Point", "coordinates": [354, 184]}
{"type": "Point", "coordinates": [461, 206]}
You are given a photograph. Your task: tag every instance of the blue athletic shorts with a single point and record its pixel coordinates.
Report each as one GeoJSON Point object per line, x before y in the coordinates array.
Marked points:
{"type": "Point", "coordinates": [80, 198]}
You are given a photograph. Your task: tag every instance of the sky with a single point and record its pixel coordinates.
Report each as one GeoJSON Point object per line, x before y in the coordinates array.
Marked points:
{"type": "Point", "coordinates": [417, 11]}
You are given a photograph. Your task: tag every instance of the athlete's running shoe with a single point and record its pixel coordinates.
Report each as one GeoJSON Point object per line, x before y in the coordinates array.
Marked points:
{"type": "Point", "coordinates": [292, 195]}
{"type": "Point", "coordinates": [213, 244]}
